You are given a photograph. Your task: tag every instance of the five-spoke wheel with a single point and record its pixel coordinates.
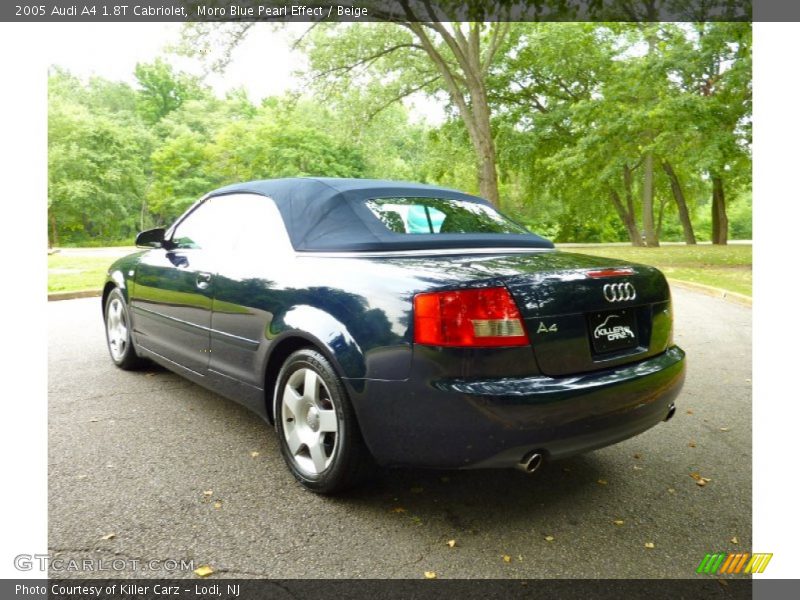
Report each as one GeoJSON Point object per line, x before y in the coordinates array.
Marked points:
{"type": "Point", "coordinates": [118, 332]}
{"type": "Point", "coordinates": [320, 439]}
{"type": "Point", "coordinates": [310, 424]}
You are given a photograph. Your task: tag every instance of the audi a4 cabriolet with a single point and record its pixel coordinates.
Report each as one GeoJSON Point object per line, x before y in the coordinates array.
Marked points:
{"type": "Point", "coordinates": [397, 324]}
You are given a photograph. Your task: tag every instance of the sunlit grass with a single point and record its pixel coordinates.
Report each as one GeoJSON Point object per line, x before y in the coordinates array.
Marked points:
{"type": "Point", "coordinates": [727, 267]}
{"type": "Point", "coordinates": [76, 273]}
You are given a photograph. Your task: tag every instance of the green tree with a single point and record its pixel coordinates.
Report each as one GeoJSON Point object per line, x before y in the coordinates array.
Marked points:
{"type": "Point", "coordinates": [162, 90]}
{"type": "Point", "coordinates": [96, 174]}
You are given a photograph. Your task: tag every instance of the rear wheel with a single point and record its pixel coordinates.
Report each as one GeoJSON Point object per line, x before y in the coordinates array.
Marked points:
{"type": "Point", "coordinates": [118, 333]}
{"type": "Point", "coordinates": [319, 436]}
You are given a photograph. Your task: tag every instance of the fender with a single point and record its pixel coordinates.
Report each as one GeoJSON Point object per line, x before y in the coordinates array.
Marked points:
{"type": "Point", "coordinates": [325, 332]}
{"type": "Point", "coordinates": [121, 274]}
{"type": "Point", "coordinates": [117, 277]}
{"type": "Point", "coordinates": [114, 278]}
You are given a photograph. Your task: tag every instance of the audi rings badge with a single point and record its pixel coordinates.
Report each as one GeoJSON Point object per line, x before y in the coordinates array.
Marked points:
{"type": "Point", "coordinates": [619, 292]}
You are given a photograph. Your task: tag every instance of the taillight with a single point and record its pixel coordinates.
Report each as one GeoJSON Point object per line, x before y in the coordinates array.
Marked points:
{"type": "Point", "coordinates": [475, 318]}
{"type": "Point", "coordinates": [612, 272]}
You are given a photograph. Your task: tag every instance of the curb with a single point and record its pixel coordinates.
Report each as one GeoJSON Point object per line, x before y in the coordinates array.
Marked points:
{"type": "Point", "coordinates": [713, 291]}
{"type": "Point", "coordinates": [51, 296]}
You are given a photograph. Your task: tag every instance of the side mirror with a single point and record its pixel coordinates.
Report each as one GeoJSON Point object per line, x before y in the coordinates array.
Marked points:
{"type": "Point", "coordinates": [152, 238]}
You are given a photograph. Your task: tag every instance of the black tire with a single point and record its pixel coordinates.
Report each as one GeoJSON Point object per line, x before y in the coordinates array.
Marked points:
{"type": "Point", "coordinates": [120, 344]}
{"type": "Point", "coordinates": [348, 459]}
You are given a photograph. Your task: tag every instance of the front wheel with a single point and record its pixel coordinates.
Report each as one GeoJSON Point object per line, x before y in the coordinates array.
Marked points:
{"type": "Point", "coordinates": [118, 333]}
{"type": "Point", "coordinates": [319, 436]}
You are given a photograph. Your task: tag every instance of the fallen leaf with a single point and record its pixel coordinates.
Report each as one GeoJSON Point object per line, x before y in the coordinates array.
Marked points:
{"type": "Point", "coordinates": [93, 420]}
{"type": "Point", "coordinates": [519, 558]}
{"type": "Point", "coordinates": [217, 504]}
{"type": "Point", "coordinates": [637, 468]}
{"type": "Point", "coordinates": [618, 522]}
{"type": "Point", "coordinates": [637, 456]}
{"type": "Point", "coordinates": [416, 490]}
{"type": "Point", "coordinates": [690, 412]}
{"type": "Point", "coordinates": [602, 482]}
{"type": "Point", "coordinates": [549, 538]}
{"type": "Point", "coordinates": [82, 476]}
{"type": "Point", "coordinates": [203, 571]}
{"type": "Point", "coordinates": [398, 509]}
{"type": "Point", "coordinates": [649, 545]}
{"type": "Point", "coordinates": [734, 540]}
{"type": "Point", "coordinates": [430, 574]}
{"type": "Point", "coordinates": [724, 429]}
{"type": "Point", "coordinates": [506, 558]}
{"type": "Point", "coordinates": [451, 543]}
{"type": "Point", "coordinates": [208, 493]}
{"type": "Point", "coordinates": [699, 479]}
{"type": "Point", "coordinates": [109, 536]}
{"type": "Point", "coordinates": [692, 444]}
{"type": "Point", "coordinates": [254, 454]}
{"type": "Point", "coordinates": [671, 490]}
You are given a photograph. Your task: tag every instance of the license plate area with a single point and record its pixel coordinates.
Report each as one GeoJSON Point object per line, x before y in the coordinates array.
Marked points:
{"type": "Point", "coordinates": [613, 330]}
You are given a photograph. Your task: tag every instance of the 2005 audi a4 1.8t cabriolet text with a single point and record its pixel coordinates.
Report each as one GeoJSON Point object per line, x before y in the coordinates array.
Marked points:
{"type": "Point", "coordinates": [378, 322]}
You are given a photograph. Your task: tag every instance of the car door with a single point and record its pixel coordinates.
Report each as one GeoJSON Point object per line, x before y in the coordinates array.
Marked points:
{"type": "Point", "coordinates": [172, 296]}
{"type": "Point", "coordinates": [246, 290]}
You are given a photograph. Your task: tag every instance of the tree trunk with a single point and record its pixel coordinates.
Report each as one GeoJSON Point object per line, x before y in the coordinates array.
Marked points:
{"type": "Point", "coordinates": [659, 227]}
{"type": "Point", "coordinates": [719, 215]}
{"type": "Point", "coordinates": [680, 200]}
{"type": "Point", "coordinates": [487, 158]}
{"type": "Point", "coordinates": [628, 219]}
{"type": "Point", "coordinates": [650, 237]}
{"type": "Point", "coordinates": [467, 90]}
{"type": "Point", "coordinates": [633, 228]}
{"type": "Point", "coordinates": [53, 237]}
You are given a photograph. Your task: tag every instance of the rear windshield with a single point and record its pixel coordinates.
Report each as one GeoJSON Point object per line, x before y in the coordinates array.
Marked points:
{"type": "Point", "coordinates": [440, 215]}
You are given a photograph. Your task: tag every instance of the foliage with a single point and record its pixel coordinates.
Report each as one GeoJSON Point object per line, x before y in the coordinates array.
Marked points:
{"type": "Point", "coordinates": [575, 109]}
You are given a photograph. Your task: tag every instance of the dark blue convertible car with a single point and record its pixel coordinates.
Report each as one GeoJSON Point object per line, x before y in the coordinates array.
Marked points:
{"type": "Point", "coordinates": [377, 322]}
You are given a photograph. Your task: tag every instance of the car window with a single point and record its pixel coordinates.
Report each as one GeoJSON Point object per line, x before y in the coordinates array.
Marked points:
{"type": "Point", "coordinates": [201, 228]}
{"type": "Point", "coordinates": [233, 223]}
{"type": "Point", "coordinates": [263, 231]}
{"type": "Point", "coordinates": [440, 215]}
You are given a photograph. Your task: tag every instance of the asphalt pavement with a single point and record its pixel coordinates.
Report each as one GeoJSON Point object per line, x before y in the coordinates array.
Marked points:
{"type": "Point", "coordinates": [146, 466]}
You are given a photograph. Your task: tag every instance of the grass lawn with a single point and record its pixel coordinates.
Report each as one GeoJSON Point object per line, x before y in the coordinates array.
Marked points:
{"type": "Point", "coordinates": [76, 273]}
{"type": "Point", "coordinates": [727, 267]}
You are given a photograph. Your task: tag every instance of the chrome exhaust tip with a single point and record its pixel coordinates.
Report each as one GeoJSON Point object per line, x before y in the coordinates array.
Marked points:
{"type": "Point", "coordinates": [670, 412]}
{"type": "Point", "coordinates": [531, 462]}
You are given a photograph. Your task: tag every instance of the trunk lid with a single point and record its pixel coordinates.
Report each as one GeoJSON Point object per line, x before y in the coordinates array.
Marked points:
{"type": "Point", "coordinates": [579, 323]}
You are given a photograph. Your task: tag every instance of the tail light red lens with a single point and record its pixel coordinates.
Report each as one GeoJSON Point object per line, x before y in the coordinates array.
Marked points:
{"type": "Point", "coordinates": [475, 318]}
{"type": "Point", "coordinates": [612, 272]}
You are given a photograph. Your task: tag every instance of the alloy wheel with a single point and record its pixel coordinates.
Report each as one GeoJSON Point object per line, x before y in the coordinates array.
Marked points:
{"type": "Point", "coordinates": [310, 423]}
{"type": "Point", "coordinates": [117, 329]}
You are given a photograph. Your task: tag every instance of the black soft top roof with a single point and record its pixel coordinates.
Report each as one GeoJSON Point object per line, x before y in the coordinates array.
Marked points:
{"type": "Point", "coordinates": [325, 214]}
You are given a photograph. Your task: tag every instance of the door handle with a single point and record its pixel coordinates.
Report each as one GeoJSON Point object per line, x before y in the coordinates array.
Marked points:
{"type": "Point", "coordinates": [202, 280]}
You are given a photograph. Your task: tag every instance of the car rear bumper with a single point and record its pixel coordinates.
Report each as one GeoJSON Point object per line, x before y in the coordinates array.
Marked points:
{"type": "Point", "coordinates": [473, 423]}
